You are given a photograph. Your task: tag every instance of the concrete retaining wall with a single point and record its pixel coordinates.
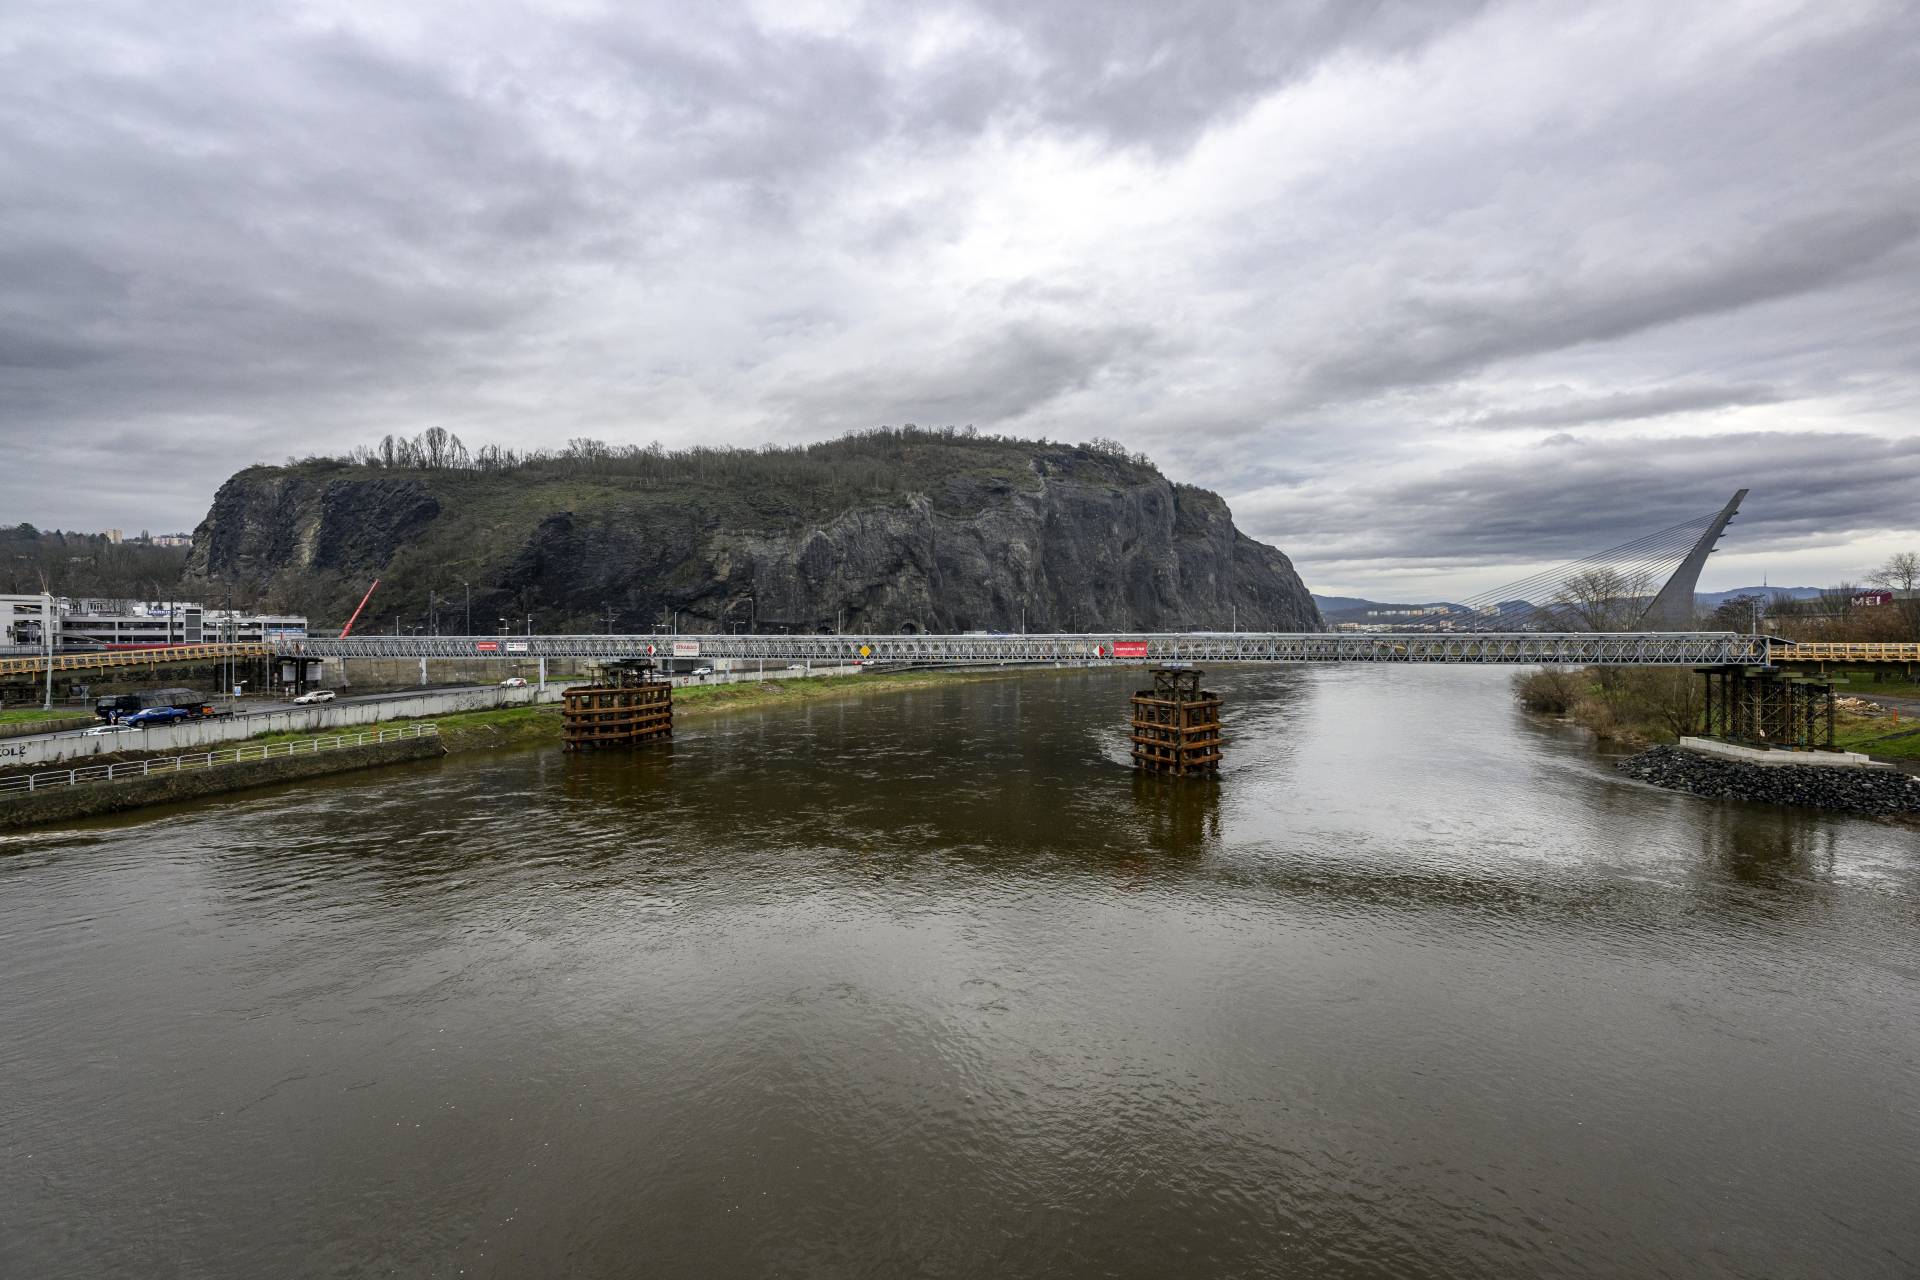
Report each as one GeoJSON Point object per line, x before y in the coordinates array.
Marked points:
{"type": "Point", "coordinates": [205, 735]}
{"type": "Point", "coordinates": [368, 674]}
{"type": "Point", "coordinates": [66, 804]}
{"type": "Point", "coordinates": [55, 724]}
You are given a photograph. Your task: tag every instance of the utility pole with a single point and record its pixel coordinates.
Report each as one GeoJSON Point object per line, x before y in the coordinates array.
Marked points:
{"type": "Point", "coordinates": [469, 587]}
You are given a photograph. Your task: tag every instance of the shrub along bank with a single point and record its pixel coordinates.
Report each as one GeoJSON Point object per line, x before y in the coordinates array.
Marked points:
{"type": "Point", "coordinates": [1638, 706]}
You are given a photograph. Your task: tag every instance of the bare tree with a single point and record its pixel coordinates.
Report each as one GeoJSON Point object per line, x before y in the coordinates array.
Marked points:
{"type": "Point", "coordinates": [1602, 599]}
{"type": "Point", "coordinates": [1901, 572]}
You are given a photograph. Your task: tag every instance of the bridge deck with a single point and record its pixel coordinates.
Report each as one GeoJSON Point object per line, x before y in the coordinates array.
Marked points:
{"type": "Point", "coordinates": [1847, 651]}
{"type": "Point", "coordinates": [120, 658]}
{"type": "Point", "coordinates": [1636, 649]}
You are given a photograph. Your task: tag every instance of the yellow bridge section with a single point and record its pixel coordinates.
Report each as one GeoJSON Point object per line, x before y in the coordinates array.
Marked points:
{"type": "Point", "coordinates": [138, 658]}
{"type": "Point", "coordinates": [1845, 651]}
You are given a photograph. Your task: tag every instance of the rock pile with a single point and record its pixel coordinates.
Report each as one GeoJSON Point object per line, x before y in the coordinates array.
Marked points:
{"type": "Point", "coordinates": [1877, 792]}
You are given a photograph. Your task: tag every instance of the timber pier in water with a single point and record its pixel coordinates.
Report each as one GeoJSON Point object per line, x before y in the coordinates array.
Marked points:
{"type": "Point", "coordinates": [1176, 725]}
{"type": "Point", "coordinates": [627, 706]}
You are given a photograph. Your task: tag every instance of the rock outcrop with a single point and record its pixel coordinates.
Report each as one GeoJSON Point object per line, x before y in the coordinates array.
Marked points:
{"type": "Point", "coordinates": [952, 535]}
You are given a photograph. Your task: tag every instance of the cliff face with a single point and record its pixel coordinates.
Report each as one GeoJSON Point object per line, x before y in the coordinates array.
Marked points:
{"type": "Point", "coordinates": [964, 538]}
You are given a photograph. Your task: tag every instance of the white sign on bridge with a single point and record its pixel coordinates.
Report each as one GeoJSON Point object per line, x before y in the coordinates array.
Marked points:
{"type": "Point", "coordinates": [686, 648]}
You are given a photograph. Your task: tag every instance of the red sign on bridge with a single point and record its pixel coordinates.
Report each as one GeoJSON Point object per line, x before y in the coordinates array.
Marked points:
{"type": "Point", "coordinates": [1129, 648]}
{"type": "Point", "coordinates": [486, 646]}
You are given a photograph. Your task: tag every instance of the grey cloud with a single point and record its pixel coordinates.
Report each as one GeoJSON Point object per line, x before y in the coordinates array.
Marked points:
{"type": "Point", "coordinates": [1570, 497]}
{"type": "Point", "coordinates": [229, 234]}
{"type": "Point", "coordinates": [1015, 373]}
{"type": "Point", "coordinates": [1630, 406]}
{"type": "Point", "coordinates": [1431, 330]}
{"type": "Point", "coordinates": [1157, 74]}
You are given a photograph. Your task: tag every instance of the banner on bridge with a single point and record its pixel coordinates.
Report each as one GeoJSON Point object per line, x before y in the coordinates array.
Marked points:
{"type": "Point", "coordinates": [686, 648]}
{"type": "Point", "coordinates": [1129, 648]}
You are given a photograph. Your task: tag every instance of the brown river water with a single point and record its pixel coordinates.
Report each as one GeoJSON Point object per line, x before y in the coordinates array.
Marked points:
{"type": "Point", "coordinates": [929, 984]}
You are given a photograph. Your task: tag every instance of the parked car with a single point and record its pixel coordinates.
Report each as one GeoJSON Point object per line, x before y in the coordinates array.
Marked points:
{"type": "Point", "coordinates": [317, 695]}
{"type": "Point", "coordinates": [796, 666]}
{"type": "Point", "coordinates": [703, 671]}
{"type": "Point", "coordinates": [99, 729]}
{"type": "Point", "coordinates": [514, 682]}
{"type": "Point", "coordinates": [155, 716]}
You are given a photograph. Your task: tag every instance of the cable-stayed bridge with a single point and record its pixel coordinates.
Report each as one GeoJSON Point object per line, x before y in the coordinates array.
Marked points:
{"type": "Point", "coordinates": [1645, 583]}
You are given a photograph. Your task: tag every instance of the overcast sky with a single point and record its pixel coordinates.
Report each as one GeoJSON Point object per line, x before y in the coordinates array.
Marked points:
{"type": "Point", "coordinates": [1431, 292]}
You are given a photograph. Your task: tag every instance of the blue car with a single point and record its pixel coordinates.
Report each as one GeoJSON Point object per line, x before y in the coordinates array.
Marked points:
{"type": "Point", "coordinates": [154, 716]}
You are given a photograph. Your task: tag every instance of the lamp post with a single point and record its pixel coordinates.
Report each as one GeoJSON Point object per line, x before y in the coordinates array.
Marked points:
{"type": "Point", "coordinates": [46, 642]}
{"type": "Point", "coordinates": [469, 587]}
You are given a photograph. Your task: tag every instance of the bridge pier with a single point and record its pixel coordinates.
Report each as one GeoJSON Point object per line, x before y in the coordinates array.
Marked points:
{"type": "Point", "coordinates": [1765, 706]}
{"type": "Point", "coordinates": [1176, 725]}
{"type": "Point", "coordinates": [625, 707]}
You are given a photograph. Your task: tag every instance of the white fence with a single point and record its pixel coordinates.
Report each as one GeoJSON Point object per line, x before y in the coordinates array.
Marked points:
{"type": "Point", "coordinates": [209, 759]}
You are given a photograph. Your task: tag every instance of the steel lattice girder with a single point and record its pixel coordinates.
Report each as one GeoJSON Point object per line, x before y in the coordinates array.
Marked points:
{"type": "Point", "coordinates": [1517, 648]}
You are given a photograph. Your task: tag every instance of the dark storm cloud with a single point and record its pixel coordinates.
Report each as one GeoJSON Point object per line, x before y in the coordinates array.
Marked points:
{"type": "Point", "coordinates": [1336, 259]}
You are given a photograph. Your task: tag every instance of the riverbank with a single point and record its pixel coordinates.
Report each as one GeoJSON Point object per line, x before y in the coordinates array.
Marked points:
{"type": "Point", "coordinates": [1879, 793]}
{"type": "Point", "coordinates": [93, 799]}
{"type": "Point", "coordinates": [540, 725]}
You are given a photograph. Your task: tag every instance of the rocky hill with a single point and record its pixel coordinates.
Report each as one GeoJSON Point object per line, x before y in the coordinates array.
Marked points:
{"type": "Point", "coordinates": [885, 531]}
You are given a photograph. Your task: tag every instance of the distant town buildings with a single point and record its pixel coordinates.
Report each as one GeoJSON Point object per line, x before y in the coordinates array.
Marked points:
{"type": "Point", "coordinates": [81, 623]}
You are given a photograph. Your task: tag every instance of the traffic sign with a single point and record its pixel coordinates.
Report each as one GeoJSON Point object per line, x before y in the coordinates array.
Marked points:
{"type": "Point", "coordinates": [866, 651]}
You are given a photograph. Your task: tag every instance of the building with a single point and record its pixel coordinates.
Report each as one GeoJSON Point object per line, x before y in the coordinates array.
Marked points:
{"type": "Point", "coordinates": [81, 623]}
{"type": "Point", "coordinates": [253, 628]}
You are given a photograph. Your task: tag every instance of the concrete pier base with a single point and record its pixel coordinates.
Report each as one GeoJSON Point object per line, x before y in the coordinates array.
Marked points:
{"type": "Point", "coordinates": [1772, 756]}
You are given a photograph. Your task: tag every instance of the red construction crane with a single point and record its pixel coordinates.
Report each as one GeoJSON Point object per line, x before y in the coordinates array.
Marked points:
{"type": "Point", "coordinates": [363, 604]}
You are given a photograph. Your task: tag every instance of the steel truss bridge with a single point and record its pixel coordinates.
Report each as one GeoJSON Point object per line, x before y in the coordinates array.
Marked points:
{"type": "Point", "coordinates": [1510, 648]}
{"type": "Point", "coordinates": [112, 659]}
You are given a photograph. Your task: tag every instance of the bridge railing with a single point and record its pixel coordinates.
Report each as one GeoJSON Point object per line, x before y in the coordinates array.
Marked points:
{"type": "Point", "coordinates": [1520, 648]}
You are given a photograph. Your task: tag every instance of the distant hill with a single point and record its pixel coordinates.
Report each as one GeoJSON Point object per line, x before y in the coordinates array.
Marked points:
{"type": "Point", "coordinates": [1711, 599]}
{"type": "Point", "coordinates": [1330, 605]}
{"type": "Point", "coordinates": [887, 530]}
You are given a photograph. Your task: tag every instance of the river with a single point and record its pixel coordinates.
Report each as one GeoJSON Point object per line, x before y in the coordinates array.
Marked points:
{"type": "Point", "coordinates": [929, 984]}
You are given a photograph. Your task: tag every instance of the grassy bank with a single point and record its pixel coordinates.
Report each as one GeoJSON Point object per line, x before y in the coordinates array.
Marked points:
{"type": "Point", "coordinates": [1879, 737]}
{"type": "Point", "coordinates": [517, 726]}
